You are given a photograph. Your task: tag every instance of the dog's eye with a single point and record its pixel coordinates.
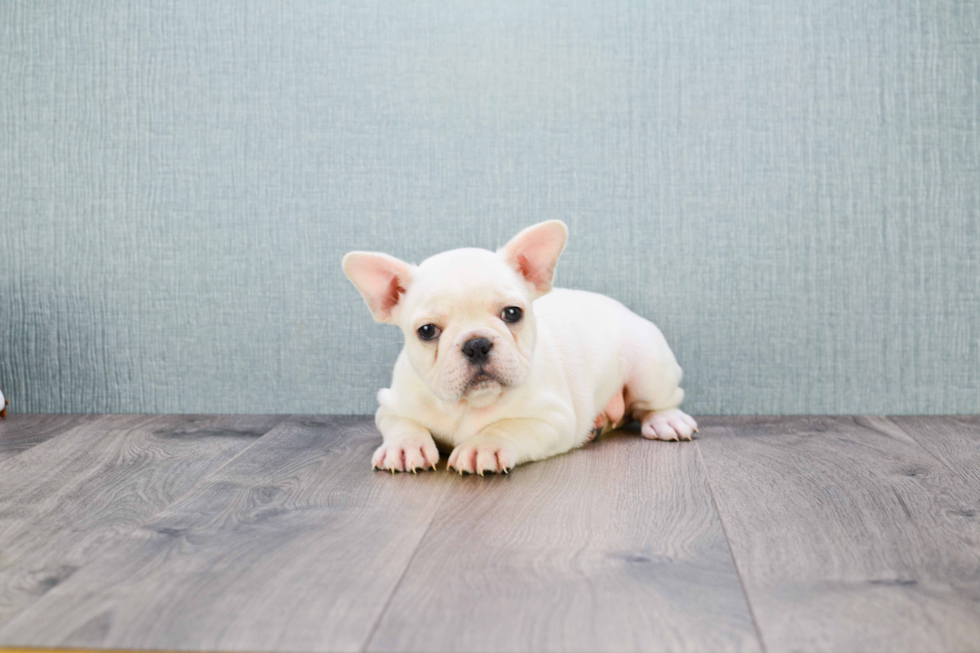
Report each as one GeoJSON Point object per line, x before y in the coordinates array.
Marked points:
{"type": "Point", "coordinates": [429, 331]}
{"type": "Point", "coordinates": [511, 314]}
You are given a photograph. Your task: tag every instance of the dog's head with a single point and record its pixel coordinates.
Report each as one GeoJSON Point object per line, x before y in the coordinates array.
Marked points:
{"type": "Point", "coordinates": [466, 314]}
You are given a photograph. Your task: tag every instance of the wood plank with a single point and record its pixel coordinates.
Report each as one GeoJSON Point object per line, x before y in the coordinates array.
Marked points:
{"type": "Point", "coordinates": [63, 502]}
{"type": "Point", "coordinates": [845, 533]}
{"type": "Point", "coordinates": [294, 545]}
{"type": "Point", "coordinates": [956, 442]}
{"type": "Point", "coordinates": [615, 547]}
{"type": "Point", "coordinates": [22, 431]}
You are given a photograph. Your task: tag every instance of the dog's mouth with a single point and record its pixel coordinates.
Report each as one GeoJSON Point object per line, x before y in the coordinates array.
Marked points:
{"type": "Point", "coordinates": [482, 380]}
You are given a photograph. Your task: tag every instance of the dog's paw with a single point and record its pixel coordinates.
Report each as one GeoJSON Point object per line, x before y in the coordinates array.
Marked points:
{"type": "Point", "coordinates": [407, 455]}
{"type": "Point", "coordinates": [672, 424]}
{"type": "Point", "coordinates": [483, 455]}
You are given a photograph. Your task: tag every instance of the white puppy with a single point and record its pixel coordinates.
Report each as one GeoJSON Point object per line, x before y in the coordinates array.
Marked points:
{"type": "Point", "coordinates": [503, 369]}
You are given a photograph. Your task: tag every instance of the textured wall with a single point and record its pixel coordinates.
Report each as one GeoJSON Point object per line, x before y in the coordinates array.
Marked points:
{"type": "Point", "coordinates": [791, 190]}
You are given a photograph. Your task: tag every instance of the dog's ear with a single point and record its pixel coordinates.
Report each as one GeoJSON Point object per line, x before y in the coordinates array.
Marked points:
{"type": "Point", "coordinates": [534, 253]}
{"type": "Point", "coordinates": [382, 281]}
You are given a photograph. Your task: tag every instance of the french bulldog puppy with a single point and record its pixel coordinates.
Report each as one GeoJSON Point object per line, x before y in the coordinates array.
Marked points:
{"type": "Point", "coordinates": [501, 368]}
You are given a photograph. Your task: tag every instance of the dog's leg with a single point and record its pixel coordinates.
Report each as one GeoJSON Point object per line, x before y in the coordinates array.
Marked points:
{"type": "Point", "coordinates": [653, 386]}
{"type": "Point", "coordinates": [507, 443]}
{"type": "Point", "coordinates": [408, 446]}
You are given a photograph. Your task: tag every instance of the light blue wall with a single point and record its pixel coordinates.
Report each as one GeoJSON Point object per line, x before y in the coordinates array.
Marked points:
{"type": "Point", "coordinates": [791, 190]}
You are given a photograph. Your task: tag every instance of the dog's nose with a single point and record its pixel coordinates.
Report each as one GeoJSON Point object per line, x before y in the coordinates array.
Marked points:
{"type": "Point", "coordinates": [477, 350]}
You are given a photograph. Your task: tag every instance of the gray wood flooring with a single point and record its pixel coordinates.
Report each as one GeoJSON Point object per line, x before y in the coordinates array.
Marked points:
{"type": "Point", "coordinates": [255, 533]}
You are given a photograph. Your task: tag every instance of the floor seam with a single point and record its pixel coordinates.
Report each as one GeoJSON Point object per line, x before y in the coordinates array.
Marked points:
{"type": "Point", "coordinates": [68, 431]}
{"type": "Point", "coordinates": [135, 528]}
{"type": "Point", "coordinates": [204, 478]}
{"type": "Point", "coordinates": [408, 565]}
{"type": "Point", "coordinates": [731, 551]}
{"type": "Point", "coordinates": [918, 443]}
{"type": "Point", "coordinates": [82, 417]}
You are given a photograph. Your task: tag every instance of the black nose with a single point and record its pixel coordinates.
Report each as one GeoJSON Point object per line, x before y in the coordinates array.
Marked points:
{"type": "Point", "coordinates": [477, 350]}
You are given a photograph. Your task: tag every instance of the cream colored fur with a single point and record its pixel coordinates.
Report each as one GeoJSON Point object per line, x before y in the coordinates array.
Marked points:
{"type": "Point", "coordinates": [576, 362]}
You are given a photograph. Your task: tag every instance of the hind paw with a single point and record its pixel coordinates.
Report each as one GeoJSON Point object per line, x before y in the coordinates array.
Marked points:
{"type": "Point", "coordinates": [671, 424]}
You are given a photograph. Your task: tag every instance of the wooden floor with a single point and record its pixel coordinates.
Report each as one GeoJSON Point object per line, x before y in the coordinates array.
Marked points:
{"type": "Point", "coordinates": [272, 534]}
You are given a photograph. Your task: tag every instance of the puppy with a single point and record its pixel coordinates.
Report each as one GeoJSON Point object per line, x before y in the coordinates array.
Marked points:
{"type": "Point", "coordinates": [501, 368]}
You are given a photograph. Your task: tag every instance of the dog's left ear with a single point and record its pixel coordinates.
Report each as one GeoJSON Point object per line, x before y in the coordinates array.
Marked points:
{"type": "Point", "coordinates": [534, 253]}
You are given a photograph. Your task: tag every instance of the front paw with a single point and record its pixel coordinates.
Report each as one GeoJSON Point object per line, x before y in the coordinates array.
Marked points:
{"type": "Point", "coordinates": [482, 455]}
{"type": "Point", "coordinates": [406, 455]}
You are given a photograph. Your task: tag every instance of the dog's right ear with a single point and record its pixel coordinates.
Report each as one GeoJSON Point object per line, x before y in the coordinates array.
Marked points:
{"type": "Point", "coordinates": [382, 281]}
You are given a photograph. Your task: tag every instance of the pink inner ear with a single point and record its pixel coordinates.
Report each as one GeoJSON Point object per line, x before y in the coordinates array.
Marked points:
{"type": "Point", "coordinates": [381, 279]}
{"type": "Point", "coordinates": [538, 276]}
{"type": "Point", "coordinates": [393, 294]}
{"type": "Point", "coordinates": [534, 252]}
